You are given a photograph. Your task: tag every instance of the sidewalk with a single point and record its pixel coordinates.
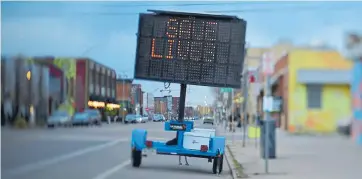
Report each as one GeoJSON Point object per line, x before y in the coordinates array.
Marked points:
{"type": "Point", "coordinates": [302, 157]}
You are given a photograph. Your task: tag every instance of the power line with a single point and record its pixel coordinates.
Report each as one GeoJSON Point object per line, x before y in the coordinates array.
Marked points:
{"type": "Point", "coordinates": [244, 11]}
{"type": "Point", "coordinates": [283, 9]}
{"type": "Point", "coordinates": [280, 9]}
{"type": "Point", "coordinates": [167, 5]}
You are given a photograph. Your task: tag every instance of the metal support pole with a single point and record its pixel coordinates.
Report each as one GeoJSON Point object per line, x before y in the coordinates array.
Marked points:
{"type": "Point", "coordinates": [182, 103]}
{"type": "Point", "coordinates": [245, 94]}
{"type": "Point", "coordinates": [232, 115]}
{"type": "Point", "coordinates": [266, 119]}
{"type": "Point", "coordinates": [123, 106]}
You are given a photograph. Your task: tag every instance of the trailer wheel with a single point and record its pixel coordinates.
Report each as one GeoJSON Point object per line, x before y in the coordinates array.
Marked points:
{"type": "Point", "coordinates": [218, 164]}
{"type": "Point", "coordinates": [221, 163]}
{"type": "Point", "coordinates": [136, 158]}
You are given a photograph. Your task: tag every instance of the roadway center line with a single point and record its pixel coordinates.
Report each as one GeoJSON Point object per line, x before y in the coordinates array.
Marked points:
{"type": "Point", "coordinates": [112, 170]}
{"type": "Point", "coordinates": [44, 163]}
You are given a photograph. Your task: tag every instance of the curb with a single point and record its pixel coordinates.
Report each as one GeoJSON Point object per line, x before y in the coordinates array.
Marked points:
{"type": "Point", "coordinates": [228, 158]}
{"type": "Point", "coordinates": [235, 167]}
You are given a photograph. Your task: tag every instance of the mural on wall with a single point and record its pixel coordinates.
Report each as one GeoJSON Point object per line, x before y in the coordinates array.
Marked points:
{"type": "Point", "coordinates": [68, 65]}
{"type": "Point", "coordinates": [336, 99]}
{"type": "Point", "coordinates": [357, 101]}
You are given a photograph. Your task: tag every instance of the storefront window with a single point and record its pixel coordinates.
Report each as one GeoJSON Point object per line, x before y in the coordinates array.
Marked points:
{"type": "Point", "coordinates": [91, 88]}
{"type": "Point", "coordinates": [103, 91]}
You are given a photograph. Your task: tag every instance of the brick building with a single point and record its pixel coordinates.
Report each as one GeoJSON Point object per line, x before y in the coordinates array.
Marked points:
{"type": "Point", "coordinates": [89, 84]}
{"type": "Point", "coordinates": [100, 80]}
{"type": "Point", "coordinates": [137, 98]}
{"type": "Point", "coordinates": [123, 93]}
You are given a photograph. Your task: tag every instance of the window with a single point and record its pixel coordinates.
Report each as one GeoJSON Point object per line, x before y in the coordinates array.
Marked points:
{"type": "Point", "coordinates": [103, 91]}
{"type": "Point", "coordinates": [91, 88]}
{"type": "Point", "coordinates": [96, 79]}
{"type": "Point", "coordinates": [97, 90]}
{"type": "Point", "coordinates": [314, 96]}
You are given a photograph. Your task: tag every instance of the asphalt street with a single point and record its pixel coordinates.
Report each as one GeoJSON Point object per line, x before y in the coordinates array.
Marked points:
{"type": "Point", "coordinates": [92, 153]}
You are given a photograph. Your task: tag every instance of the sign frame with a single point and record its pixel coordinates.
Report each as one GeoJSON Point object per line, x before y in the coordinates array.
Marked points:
{"type": "Point", "coordinates": [229, 76]}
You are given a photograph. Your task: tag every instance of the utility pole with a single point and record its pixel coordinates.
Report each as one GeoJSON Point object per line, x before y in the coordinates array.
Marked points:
{"type": "Point", "coordinates": [268, 68]}
{"type": "Point", "coordinates": [245, 102]}
{"type": "Point", "coordinates": [244, 87]}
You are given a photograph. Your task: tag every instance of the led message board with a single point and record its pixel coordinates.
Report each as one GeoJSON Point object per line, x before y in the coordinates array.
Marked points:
{"type": "Point", "coordinates": [190, 48]}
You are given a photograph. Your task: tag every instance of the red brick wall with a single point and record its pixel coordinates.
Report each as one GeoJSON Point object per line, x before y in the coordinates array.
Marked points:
{"type": "Point", "coordinates": [282, 90]}
{"type": "Point", "coordinates": [81, 91]}
{"type": "Point", "coordinates": [127, 90]}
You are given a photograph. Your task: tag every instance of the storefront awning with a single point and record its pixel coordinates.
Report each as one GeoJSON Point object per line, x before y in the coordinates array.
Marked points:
{"type": "Point", "coordinates": [321, 76]}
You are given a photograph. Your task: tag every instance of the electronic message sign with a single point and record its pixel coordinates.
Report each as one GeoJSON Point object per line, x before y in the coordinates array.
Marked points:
{"type": "Point", "coordinates": [190, 48]}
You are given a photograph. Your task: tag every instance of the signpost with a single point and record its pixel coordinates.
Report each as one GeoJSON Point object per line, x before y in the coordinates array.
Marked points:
{"type": "Point", "coordinates": [268, 69]}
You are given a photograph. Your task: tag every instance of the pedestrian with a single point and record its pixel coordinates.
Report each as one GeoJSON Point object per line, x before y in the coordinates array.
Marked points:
{"type": "Point", "coordinates": [231, 122]}
{"type": "Point", "coordinates": [109, 119]}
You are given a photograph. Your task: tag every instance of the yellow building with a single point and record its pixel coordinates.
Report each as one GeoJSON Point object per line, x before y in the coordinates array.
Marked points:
{"type": "Point", "coordinates": [318, 90]}
{"type": "Point", "coordinates": [204, 110]}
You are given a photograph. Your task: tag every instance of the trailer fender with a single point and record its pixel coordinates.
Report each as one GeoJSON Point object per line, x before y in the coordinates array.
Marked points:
{"type": "Point", "coordinates": [139, 137]}
{"type": "Point", "coordinates": [218, 144]}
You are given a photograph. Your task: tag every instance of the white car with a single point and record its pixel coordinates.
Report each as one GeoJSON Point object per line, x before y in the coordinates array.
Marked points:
{"type": "Point", "coordinates": [140, 119]}
{"type": "Point", "coordinates": [145, 118]}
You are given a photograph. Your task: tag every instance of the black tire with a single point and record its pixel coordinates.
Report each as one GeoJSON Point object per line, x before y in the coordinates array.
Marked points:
{"type": "Point", "coordinates": [221, 164]}
{"type": "Point", "coordinates": [136, 158]}
{"type": "Point", "coordinates": [218, 164]}
{"type": "Point", "coordinates": [214, 165]}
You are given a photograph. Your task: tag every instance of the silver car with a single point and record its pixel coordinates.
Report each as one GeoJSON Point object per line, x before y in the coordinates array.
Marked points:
{"type": "Point", "coordinates": [130, 118]}
{"type": "Point", "coordinates": [59, 118]}
{"type": "Point", "coordinates": [140, 119]}
{"type": "Point", "coordinates": [95, 116]}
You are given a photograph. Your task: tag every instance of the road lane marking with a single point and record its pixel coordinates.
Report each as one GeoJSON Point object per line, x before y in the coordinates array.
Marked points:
{"type": "Point", "coordinates": [112, 170]}
{"type": "Point", "coordinates": [44, 163]}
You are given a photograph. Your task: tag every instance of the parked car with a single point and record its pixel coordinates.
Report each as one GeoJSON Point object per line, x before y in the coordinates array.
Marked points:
{"type": "Point", "coordinates": [344, 126]}
{"type": "Point", "coordinates": [159, 118]}
{"type": "Point", "coordinates": [208, 120]}
{"type": "Point", "coordinates": [139, 119]}
{"type": "Point", "coordinates": [145, 118]}
{"type": "Point", "coordinates": [59, 118]}
{"type": "Point", "coordinates": [95, 116]}
{"type": "Point", "coordinates": [150, 117]}
{"type": "Point", "coordinates": [130, 118]}
{"type": "Point", "coordinates": [81, 118]}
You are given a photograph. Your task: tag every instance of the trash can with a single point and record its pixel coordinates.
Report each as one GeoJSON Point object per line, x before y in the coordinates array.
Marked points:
{"type": "Point", "coordinates": [271, 136]}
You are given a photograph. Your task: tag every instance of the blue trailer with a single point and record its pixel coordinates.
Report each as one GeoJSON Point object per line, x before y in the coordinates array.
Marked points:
{"type": "Point", "coordinates": [188, 48]}
{"type": "Point", "coordinates": [213, 151]}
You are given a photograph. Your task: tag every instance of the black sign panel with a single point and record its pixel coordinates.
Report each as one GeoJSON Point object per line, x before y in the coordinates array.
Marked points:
{"type": "Point", "coordinates": [178, 127]}
{"type": "Point", "coordinates": [189, 48]}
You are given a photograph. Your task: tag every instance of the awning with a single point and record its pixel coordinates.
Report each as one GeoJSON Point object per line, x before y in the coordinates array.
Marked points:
{"type": "Point", "coordinates": [322, 76]}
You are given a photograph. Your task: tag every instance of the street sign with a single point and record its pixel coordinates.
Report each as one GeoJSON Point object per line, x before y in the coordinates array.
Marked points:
{"type": "Point", "coordinates": [226, 90]}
